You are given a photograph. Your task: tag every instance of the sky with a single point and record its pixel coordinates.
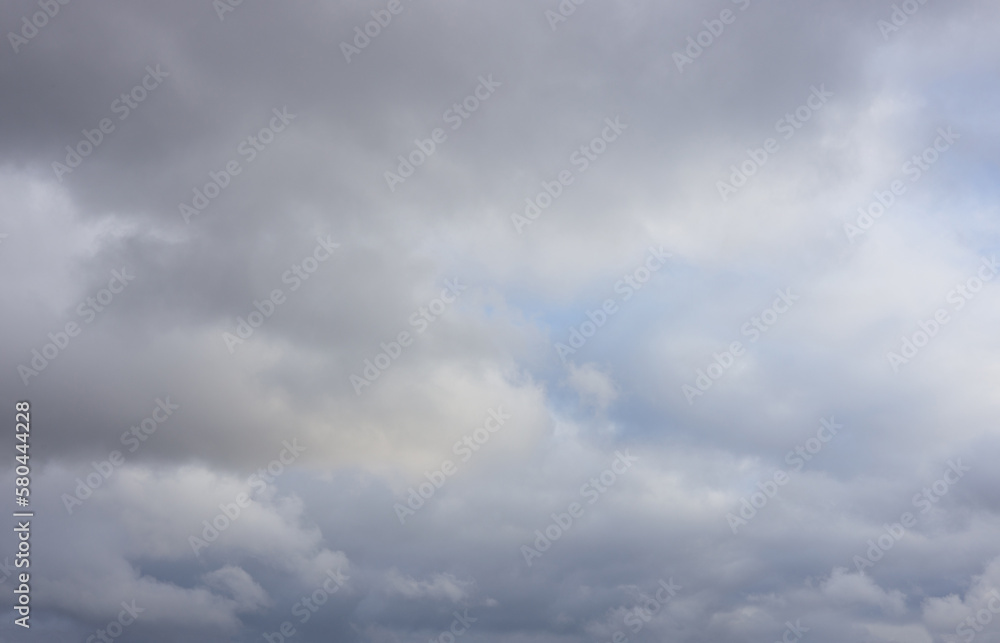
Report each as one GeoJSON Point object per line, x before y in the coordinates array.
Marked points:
{"type": "Point", "coordinates": [392, 321]}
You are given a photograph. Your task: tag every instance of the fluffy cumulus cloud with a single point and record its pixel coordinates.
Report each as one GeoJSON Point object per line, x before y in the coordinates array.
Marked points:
{"type": "Point", "coordinates": [548, 322]}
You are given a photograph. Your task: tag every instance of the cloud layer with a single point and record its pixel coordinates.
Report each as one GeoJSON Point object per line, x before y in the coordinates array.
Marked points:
{"type": "Point", "coordinates": [327, 313]}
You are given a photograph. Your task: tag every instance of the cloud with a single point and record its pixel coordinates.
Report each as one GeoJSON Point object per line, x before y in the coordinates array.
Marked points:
{"type": "Point", "coordinates": [281, 531]}
{"type": "Point", "coordinates": [440, 586]}
{"type": "Point", "coordinates": [593, 386]}
{"type": "Point", "coordinates": [239, 585]}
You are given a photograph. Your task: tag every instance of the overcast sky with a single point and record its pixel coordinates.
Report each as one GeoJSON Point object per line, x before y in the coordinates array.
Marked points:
{"type": "Point", "coordinates": [578, 322]}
